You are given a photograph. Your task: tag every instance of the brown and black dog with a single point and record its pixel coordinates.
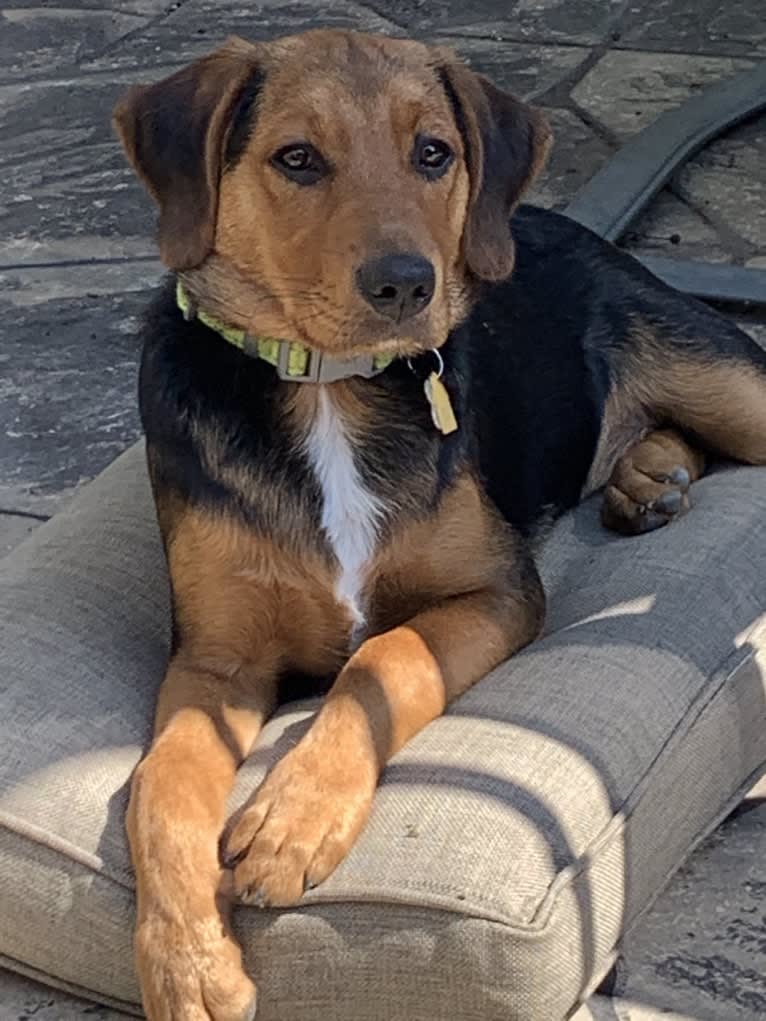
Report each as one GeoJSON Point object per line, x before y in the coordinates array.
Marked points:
{"type": "Point", "coordinates": [368, 381]}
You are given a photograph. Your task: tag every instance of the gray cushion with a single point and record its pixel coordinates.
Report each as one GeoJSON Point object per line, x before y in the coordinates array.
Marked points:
{"type": "Point", "coordinates": [512, 842]}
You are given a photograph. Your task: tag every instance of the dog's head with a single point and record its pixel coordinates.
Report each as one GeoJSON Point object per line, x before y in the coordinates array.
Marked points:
{"type": "Point", "coordinates": [334, 188]}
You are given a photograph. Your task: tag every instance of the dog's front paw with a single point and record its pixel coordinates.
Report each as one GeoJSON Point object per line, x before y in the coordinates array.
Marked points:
{"type": "Point", "coordinates": [300, 825]}
{"type": "Point", "coordinates": [191, 970]}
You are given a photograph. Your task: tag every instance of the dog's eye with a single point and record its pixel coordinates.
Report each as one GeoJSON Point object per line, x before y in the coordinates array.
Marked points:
{"type": "Point", "coordinates": [431, 157]}
{"type": "Point", "coordinates": [301, 163]}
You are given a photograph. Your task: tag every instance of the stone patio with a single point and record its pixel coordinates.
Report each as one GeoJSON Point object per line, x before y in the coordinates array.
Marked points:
{"type": "Point", "coordinates": [77, 263]}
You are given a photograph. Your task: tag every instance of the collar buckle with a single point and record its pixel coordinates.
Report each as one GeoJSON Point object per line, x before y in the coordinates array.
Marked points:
{"type": "Point", "coordinates": [312, 372]}
{"type": "Point", "coordinates": [320, 368]}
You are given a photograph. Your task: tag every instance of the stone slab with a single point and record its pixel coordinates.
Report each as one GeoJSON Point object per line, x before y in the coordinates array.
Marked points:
{"type": "Point", "coordinates": [198, 26]}
{"type": "Point", "coordinates": [47, 39]}
{"type": "Point", "coordinates": [68, 366]}
{"type": "Point", "coordinates": [147, 8]}
{"type": "Point", "coordinates": [67, 192]}
{"type": "Point", "coordinates": [695, 26]}
{"type": "Point", "coordinates": [626, 91]}
{"type": "Point", "coordinates": [727, 182]}
{"type": "Point", "coordinates": [671, 229]}
{"type": "Point", "coordinates": [578, 152]}
{"type": "Point", "coordinates": [575, 21]}
{"type": "Point", "coordinates": [526, 69]}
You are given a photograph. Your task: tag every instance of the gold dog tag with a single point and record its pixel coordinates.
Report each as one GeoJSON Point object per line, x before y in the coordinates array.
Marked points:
{"type": "Point", "coordinates": [441, 405]}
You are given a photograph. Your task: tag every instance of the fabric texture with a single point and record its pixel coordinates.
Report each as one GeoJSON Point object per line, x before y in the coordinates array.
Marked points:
{"type": "Point", "coordinates": [512, 842]}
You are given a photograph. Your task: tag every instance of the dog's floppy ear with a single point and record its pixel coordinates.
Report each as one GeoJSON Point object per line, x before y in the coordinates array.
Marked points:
{"type": "Point", "coordinates": [175, 135]}
{"type": "Point", "coordinates": [506, 143]}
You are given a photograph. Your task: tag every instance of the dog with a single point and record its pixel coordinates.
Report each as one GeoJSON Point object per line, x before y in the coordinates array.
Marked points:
{"type": "Point", "coordinates": [370, 380]}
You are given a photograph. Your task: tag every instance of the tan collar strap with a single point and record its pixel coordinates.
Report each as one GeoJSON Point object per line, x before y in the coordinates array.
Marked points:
{"type": "Point", "coordinates": [294, 362]}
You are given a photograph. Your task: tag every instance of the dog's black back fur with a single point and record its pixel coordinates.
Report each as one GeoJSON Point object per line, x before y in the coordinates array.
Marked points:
{"type": "Point", "coordinates": [529, 372]}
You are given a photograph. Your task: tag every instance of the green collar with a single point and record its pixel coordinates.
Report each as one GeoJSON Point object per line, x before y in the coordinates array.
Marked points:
{"type": "Point", "coordinates": [293, 361]}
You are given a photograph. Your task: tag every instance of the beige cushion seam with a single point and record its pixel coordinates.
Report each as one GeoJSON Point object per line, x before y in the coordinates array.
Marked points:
{"type": "Point", "coordinates": [52, 841]}
{"type": "Point", "coordinates": [622, 814]}
{"type": "Point", "coordinates": [33, 833]}
{"type": "Point", "coordinates": [539, 919]}
{"type": "Point", "coordinates": [617, 824]}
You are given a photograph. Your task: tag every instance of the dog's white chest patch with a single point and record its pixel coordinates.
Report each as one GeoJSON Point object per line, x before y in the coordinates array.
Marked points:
{"type": "Point", "coordinates": [350, 512]}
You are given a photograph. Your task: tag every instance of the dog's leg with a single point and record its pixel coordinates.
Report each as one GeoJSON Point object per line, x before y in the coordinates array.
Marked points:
{"type": "Point", "coordinates": [220, 685]}
{"type": "Point", "coordinates": [189, 965]}
{"type": "Point", "coordinates": [722, 404]}
{"type": "Point", "coordinates": [649, 486]}
{"type": "Point", "coordinates": [316, 800]}
{"type": "Point", "coordinates": [709, 397]}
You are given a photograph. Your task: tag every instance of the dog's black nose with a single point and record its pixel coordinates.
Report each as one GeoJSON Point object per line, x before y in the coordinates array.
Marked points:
{"type": "Point", "coordinates": [397, 286]}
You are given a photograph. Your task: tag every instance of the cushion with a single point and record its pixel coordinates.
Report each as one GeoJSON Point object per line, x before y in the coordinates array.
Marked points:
{"type": "Point", "coordinates": [512, 842]}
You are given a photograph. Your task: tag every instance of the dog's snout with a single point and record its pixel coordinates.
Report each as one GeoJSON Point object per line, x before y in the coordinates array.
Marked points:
{"type": "Point", "coordinates": [397, 286]}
